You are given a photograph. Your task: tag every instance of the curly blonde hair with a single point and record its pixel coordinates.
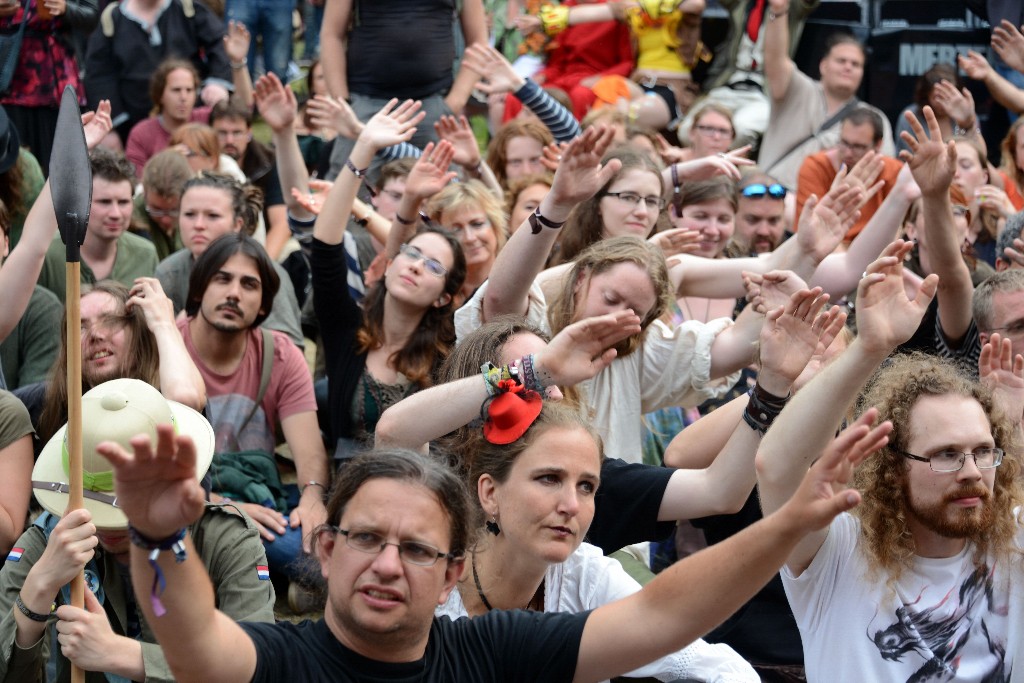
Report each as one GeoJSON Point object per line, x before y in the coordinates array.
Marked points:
{"type": "Point", "coordinates": [882, 478]}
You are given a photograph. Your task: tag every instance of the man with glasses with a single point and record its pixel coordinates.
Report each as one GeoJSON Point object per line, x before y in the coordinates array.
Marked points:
{"type": "Point", "coordinates": [998, 307]}
{"type": "Point", "coordinates": [760, 215]}
{"type": "Point", "coordinates": [156, 207]}
{"type": "Point", "coordinates": [861, 131]}
{"type": "Point", "coordinates": [919, 582]}
{"type": "Point", "coordinates": [805, 113]}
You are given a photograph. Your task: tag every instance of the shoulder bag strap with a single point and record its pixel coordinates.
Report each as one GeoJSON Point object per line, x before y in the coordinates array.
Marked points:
{"type": "Point", "coordinates": [267, 366]}
{"type": "Point", "coordinates": [831, 121]}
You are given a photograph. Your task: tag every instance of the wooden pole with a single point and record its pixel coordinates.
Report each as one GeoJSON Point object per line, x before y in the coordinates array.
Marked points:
{"type": "Point", "coordinates": [74, 432]}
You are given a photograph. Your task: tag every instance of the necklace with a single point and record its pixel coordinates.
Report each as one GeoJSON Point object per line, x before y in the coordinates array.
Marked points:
{"type": "Point", "coordinates": [483, 598]}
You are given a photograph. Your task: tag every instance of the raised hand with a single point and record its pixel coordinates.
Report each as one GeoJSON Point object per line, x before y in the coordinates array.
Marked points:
{"type": "Point", "coordinates": [313, 201]}
{"type": "Point", "coordinates": [994, 199]}
{"type": "Point", "coordinates": [97, 124]}
{"type": "Point", "coordinates": [275, 102]}
{"type": "Point", "coordinates": [931, 161]}
{"type": "Point", "coordinates": [496, 71]}
{"type": "Point", "coordinates": [864, 175]}
{"type": "Point", "coordinates": [958, 104]}
{"type": "Point", "coordinates": [1008, 41]}
{"type": "Point", "coordinates": [974, 65]}
{"type": "Point", "coordinates": [460, 135]}
{"type": "Point", "coordinates": [584, 348]}
{"type": "Point", "coordinates": [669, 153]}
{"type": "Point", "coordinates": [394, 123]}
{"type": "Point", "coordinates": [1003, 374]}
{"type": "Point", "coordinates": [552, 155]}
{"type": "Point", "coordinates": [771, 290]}
{"type": "Point", "coordinates": [580, 173]}
{"type": "Point", "coordinates": [823, 224]}
{"type": "Point", "coordinates": [336, 114]}
{"type": "Point", "coordinates": [156, 485]}
{"type": "Point", "coordinates": [430, 174]}
{"type": "Point", "coordinates": [723, 163]}
{"type": "Point", "coordinates": [237, 41]}
{"type": "Point", "coordinates": [886, 317]}
{"type": "Point", "coordinates": [789, 338]}
{"type": "Point", "coordinates": [676, 241]}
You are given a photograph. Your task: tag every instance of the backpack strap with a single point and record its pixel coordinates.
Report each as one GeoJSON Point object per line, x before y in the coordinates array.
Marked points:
{"type": "Point", "coordinates": [265, 369]}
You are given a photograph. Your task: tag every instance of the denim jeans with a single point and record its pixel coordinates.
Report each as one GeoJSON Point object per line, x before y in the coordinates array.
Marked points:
{"type": "Point", "coordinates": [270, 20]}
{"type": "Point", "coordinates": [284, 553]}
{"type": "Point", "coordinates": [313, 16]}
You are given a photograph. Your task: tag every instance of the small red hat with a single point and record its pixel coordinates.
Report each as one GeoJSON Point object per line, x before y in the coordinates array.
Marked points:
{"type": "Point", "coordinates": [510, 413]}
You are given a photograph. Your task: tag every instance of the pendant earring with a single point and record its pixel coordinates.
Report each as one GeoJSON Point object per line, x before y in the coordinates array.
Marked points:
{"type": "Point", "coordinates": [492, 526]}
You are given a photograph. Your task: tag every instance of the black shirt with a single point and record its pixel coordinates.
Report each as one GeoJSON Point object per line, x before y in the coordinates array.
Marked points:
{"type": "Point", "coordinates": [499, 646]}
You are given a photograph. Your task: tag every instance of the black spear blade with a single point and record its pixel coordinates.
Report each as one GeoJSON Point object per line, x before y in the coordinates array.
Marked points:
{"type": "Point", "coordinates": [70, 175]}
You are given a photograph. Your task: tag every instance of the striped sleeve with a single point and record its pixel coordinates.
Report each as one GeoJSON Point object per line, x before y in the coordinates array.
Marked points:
{"type": "Point", "coordinates": [552, 114]}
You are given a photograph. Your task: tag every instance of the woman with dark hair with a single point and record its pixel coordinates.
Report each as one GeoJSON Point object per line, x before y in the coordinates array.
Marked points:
{"type": "Point", "coordinates": [392, 346]}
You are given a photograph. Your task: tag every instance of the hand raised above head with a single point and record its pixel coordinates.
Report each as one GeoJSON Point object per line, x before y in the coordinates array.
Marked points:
{"type": "Point", "coordinates": [886, 317]}
{"type": "Point", "coordinates": [932, 162]}
{"type": "Point", "coordinates": [156, 485]}
{"type": "Point", "coordinates": [580, 173]}
{"type": "Point", "coordinates": [395, 122]}
{"type": "Point", "coordinates": [275, 102]}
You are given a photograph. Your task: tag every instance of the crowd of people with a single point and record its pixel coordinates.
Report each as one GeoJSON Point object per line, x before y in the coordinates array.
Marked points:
{"type": "Point", "coordinates": [511, 352]}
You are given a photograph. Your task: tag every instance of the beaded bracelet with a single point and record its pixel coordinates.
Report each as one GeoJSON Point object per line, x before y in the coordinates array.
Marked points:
{"type": "Point", "coordinates": [493, 374]}
{"type": "Point", "coordinates": [763, 408]}
{"type": "Point", "coordinates": [34, 616]}
{"type": "Point", "coordinates": [175, 543]}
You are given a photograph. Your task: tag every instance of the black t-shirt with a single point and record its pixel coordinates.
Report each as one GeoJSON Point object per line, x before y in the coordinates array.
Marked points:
{"type": "Point", "coordinates": [500, 646]}
{"type": "Point", "coordinates": [627, 504]}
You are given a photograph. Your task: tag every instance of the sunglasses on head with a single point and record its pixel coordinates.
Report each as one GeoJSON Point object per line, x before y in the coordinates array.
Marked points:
{"type": "Point", "coordinates": [758, 190]}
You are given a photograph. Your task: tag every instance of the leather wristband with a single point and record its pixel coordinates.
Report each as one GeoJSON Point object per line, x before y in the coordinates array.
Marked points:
{"type": "Point", "coordinates": [357, 172]}
{"type": "Point", "coordinates": [34, 616]}
{"type": "Point", "coordinates": [537, 222]}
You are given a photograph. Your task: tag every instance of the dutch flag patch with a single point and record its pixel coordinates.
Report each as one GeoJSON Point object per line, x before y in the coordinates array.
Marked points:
{"type": "Point", "coordinates": [262, 571]}
{"type": "Point", "coordinates": [15, 554]}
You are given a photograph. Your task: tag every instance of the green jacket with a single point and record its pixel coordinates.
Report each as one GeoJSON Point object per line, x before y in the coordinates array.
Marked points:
{"type": "Point", "coordinates": [230, 548]}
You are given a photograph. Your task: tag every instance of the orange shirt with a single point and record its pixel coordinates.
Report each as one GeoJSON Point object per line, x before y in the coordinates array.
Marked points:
{"type": "Point", "coordinates": [817, 174]}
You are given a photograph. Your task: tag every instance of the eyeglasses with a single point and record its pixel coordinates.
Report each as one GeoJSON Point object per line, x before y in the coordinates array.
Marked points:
{"type": "Point", "coordinates": [433, 266]}
{"type": "Point", "coordinates": [713, 131]}
{"type": "Point", "coordinates": [953, 461]}
{"type": "Point", "coordinates": [1013, 330]}
{"type": "Point", "coordinates": [632, 198]}
{"type": "Point", "coordinates": [758, 190]}
{"type": "Point", "coordinates": [108, 322]}
{"type": "Point", "coordinates": [372, 543]}
{"type": "Point", "coordinates": [959, 210]}
{"type": "Point", "coordinates": [161, 213]}
{"type": "Point", "coordinates": [854, 147]}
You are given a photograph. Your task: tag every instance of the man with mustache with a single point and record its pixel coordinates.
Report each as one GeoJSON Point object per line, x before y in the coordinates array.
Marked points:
{"type": "Point", "coordinates": [231, 292]}
{"type": "Point", "coordinates": [918, 582]}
